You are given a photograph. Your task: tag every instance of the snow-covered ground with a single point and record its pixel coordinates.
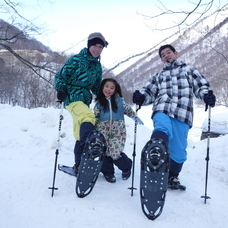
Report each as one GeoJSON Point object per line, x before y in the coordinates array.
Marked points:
{"type": "Point", "coordinates": [27, 152]}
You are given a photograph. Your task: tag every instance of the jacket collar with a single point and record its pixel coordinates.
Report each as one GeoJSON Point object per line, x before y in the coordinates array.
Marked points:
{"type": "Point", "coordinates": [85, 53]}
{"type": "Point", "coordinates": [173, 65]}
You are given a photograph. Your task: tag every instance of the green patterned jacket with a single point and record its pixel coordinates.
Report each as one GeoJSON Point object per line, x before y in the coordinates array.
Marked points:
{"type": "Point", "coordinates": [81, 74]}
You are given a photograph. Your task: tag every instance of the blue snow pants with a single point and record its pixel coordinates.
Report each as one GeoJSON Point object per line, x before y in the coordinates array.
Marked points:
{"type": "Point", "coordinates": [177, 132]}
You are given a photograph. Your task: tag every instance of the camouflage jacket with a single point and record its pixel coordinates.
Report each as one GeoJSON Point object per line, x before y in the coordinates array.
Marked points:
{"type": "Point", "coordinates": [82, 75]}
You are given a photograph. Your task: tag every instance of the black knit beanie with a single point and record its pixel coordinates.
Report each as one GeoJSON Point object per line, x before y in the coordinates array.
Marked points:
{"type": "Point", "coordinates": [94, 42]}
{"type": "Point", "coordinates": [96, 38]}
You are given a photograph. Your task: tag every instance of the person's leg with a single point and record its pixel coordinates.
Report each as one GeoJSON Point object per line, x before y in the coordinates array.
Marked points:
{"type": "Point", "coordinates": [85, 130]}
{"type": "Point", "coordinates": [162, 127]}
{"type": "Point", "coordinates": [178, 143]}
{"type": "Point", "coordinates": [160, 138]}
{"type": "Point", "coordinates": [107, 166]}
{"type": "Point", "coordinates": [108, 169]}
{"type": "Point", "coordinates": [80, 113]}
{"type": "Point", "coordinates": [77, 153]}
{"type": "Point", "coordinates": [83, 124]}
{"type": "Point", "coordinates": [174, 168]}
{"type": "Point", "coordinates": [177, 133]}
{"type": "Point", "coordinates": [124, 163]}
{"type": "Point", "coordinates": [177, 147]}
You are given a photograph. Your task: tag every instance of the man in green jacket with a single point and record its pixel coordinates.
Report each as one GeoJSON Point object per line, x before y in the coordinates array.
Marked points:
{"type": "Point", "coordinates": [75, 83]}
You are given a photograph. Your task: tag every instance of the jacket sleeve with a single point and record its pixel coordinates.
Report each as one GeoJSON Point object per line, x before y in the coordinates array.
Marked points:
{"type": "Point", "coordinates": [200, 84]}
{"type": "Point", "coordinates": [128, 110]}
{"type": "Point", "coordinates": [61, 75]}
{"type": "Point", "coordinates": [59, 80]}
{"type": "Point", "coordinates": [150, 90]}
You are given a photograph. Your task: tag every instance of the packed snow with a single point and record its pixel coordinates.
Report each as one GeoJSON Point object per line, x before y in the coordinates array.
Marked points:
{"type": "Point", "coordinates": [28, 142]}
{"type": "Point", "coordinates": [219, 123]}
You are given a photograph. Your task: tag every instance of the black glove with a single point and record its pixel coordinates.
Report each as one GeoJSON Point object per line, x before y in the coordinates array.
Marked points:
{"type": "Point", "coordinates": [209, 99]}
{"type": "Point", "coordinates": [62, 93]}
{"type": "Point", "coordinates": [138, 98]}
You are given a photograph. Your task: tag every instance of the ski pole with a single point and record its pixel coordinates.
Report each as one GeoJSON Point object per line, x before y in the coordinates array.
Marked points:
{"type": "Point", "coordinates": [207, 156]}
{"type": "Point", "coordinates": [53, 188]}
{"type": "Point", "coordinates": [134, 152]}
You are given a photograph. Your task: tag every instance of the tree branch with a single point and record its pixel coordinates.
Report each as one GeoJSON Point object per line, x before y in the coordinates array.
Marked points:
{"type": "Point", "coordinates": [187, 15]}
{"type": "Point", "coordinates": [29, 64]}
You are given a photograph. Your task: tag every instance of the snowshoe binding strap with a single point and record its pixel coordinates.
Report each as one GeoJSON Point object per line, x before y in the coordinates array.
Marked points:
{"type": "Point", "coordinates": [157, 154]}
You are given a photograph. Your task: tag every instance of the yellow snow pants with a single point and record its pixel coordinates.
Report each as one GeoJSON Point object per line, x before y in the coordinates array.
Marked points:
{"type": "Point", "coordinates": [80, 113]}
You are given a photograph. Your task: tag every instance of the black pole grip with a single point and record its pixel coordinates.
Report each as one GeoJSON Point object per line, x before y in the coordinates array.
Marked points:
{"type": "Point", "coordinates": [210, 92]}
{"type": "Point", "coordinates": [139, 106]}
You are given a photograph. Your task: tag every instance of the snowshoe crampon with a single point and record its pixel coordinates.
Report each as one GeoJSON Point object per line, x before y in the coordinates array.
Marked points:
{"type": "Point", "coordinates": [154, 177]}
{"type": "Point", "coordinates": [91, 163]}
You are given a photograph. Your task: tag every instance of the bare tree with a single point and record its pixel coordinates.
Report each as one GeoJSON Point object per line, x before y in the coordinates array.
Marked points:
{"type": "Point", "coordinates": [27, 67]}
{"type": "Point", "coordinates": [185, 18]}
{"type": "Point", "coordinates": [18, 29]}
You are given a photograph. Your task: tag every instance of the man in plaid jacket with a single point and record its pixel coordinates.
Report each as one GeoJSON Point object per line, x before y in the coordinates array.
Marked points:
{"type": "Point", "coordinates": [171, 92]}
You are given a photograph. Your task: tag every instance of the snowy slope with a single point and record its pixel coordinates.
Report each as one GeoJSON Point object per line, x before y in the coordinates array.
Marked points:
{"type": "Point", "coordinates": [27, 153]}
{"type": "Point", "coordinates": [198, 46]}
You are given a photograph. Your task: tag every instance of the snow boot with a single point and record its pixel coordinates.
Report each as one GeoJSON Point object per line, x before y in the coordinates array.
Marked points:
{"type": "Point", "coordinates": [110, 178]}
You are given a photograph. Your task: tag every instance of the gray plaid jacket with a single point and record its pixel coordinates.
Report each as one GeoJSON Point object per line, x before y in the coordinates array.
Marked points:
{"type": "Point", "coordinates": [171, 91]}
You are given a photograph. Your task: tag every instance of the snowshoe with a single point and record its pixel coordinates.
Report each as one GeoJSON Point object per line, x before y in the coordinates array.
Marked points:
{"type": "Point", "coordinates": [154, 177]}
{"type": "Point", "coordinates": [91, 163]}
